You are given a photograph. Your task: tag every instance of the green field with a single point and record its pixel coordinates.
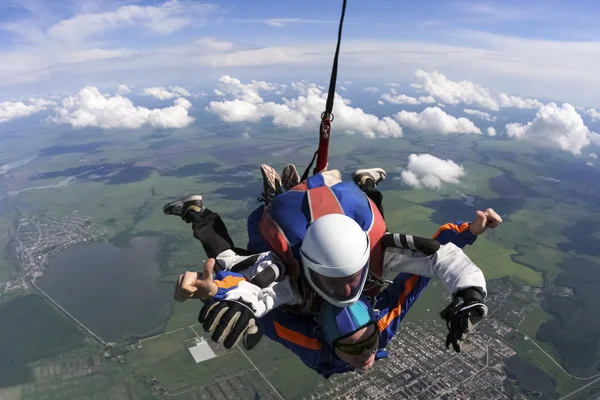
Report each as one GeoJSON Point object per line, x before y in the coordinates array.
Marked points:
{"type": "Point", "coordinates": [32, 330]}
{"type": "Point", "coordinates": [284, 370]}
{"type": "Point", "coordinates": [184, 314]}
{"type": "Point", "coordinates": [224, 167]}
{"type": "Point", "coordinates": [496, 263]}
{"type": "Point", "coordinates": [564, 383]}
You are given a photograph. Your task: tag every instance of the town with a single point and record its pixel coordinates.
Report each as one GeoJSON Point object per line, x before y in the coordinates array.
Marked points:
{"type": "Point", "coordinates": [39, 238]}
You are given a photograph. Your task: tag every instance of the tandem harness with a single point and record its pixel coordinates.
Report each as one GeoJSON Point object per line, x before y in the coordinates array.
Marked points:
{"type": "Point", "coordinates": [286, 219]}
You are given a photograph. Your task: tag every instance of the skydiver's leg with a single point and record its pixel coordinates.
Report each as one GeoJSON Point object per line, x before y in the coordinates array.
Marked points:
{"type": "Point", "coordinates": [210, 230]}
{"type": "Point", "coordinates": [207, 226]}
{"type": "Point", "coordinates": [290, 177]}
{"type": "Point", "coordinates": [256, 243]}
{"type": "Point", "coordinates": [272, 185]}
{"type": "Point", "coordinates": [367, 180]}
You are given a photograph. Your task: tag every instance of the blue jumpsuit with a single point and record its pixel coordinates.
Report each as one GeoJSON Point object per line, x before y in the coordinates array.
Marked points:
{"type": "Point", "coordinates": [301, 334]}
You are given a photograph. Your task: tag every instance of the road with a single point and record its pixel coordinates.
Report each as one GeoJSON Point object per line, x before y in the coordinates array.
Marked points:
{"type": "Point", "coordinates": [580, 389]}
{"type": "Point", "coordinates": [78, 322]}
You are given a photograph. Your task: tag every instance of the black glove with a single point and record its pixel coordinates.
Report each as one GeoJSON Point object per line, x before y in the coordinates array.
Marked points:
{"type": "Point", "coordinates": [231, 320]}
{"type": "Point", "coordinates": [466, 310]}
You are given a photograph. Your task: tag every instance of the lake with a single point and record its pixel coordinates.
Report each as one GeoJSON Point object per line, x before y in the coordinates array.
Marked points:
{"type": "Point", "coordinates": [111, 290]}
{"type": "Point", "coordinates": [530, 378]}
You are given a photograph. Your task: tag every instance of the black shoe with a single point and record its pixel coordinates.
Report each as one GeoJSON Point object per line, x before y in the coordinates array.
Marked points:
{"type": "Point", "coordinates": [182, 206]}
{"type": "Point", "coordinates": [361, 176]}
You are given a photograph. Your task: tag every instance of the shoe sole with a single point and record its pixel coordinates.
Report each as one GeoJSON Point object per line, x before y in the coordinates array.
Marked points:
{"type": "Point", "coordinates": [271, 177]}
{"type": "Point", "coordinates": [359, 172]}
{"type": "Point", "coordinates": [181, 201]}
{"type": "Point", "coordinates": [290, 177]}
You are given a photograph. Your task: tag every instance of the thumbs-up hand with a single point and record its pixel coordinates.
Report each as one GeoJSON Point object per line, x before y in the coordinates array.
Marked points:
{"type": "Point", "coordinates": [483, 220]}
{"type": "Point", "coordinates": [196, 285]}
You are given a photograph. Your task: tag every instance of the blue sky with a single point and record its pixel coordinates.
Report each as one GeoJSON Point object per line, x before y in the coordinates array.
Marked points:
{"type": "Point", "coordinates": [545, 49]}
{"type": "Point", "coordinates": [119, 64]}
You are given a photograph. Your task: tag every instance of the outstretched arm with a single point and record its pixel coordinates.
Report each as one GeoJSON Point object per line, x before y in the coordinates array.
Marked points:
{"type": "Point", "coordinates": [442, 257]}
{"type": "Point", "coordinates": [428, 258]}
{"type": "Point", "coordinates": [465, 233]}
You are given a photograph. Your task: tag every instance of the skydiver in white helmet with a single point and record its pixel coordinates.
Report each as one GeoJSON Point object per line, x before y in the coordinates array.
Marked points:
{"type": "Point", "coordinates": [344, 252]}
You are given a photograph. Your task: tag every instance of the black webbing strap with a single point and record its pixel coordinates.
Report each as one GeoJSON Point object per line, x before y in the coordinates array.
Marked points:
{"type": "Point", "coordinates": [327, 114]}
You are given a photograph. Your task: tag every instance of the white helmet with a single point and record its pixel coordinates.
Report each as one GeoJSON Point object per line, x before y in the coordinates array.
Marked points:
{"type": "Point", "coordinates": [335, 256]}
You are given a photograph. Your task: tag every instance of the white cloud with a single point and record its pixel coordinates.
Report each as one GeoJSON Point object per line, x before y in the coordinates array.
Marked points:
{"type": "Point", "coordinates": [556, 69]}
{"type": "Point", "coordinates": [10, 110]}
{"type": "Point", "coordinates": [393, 84]}
{"type": "Point", "coordinates": [451, 92]}
{"type": "Point", "coordinates": [593, 114]}
{"type": "Point", "coordinates": [589, 164]}
{"type": "Point", "coordinates": [592, 155]}
{"type": "Point", "coordinates": [246, 92]}
{"type": "Point", "coordinates": [163, 94]}
{"type": "Point", "coordinates": [448, 91]}
{"type": "Point", "coordinates": [248, 106]}
{"type": "Point", "coordinates": [347, 83]}
{"type": "Point", "coordinates": [281, 22]}
{"type": "Point", "coordinates": [302, 87]}
{"type": "Point", "coordinates": [123, 89]}
{"type": "Point", "coordinates": [213, 43]}
{"type": "Point", "coordinates": [399, 99]}
{"type": "Point", "coordinates": [371, 89]}
{"type": "Point", "coordinates": [427, 99]}
{"type": "Point", "coordinates": [441, 105]}
{"type": "Point", "coordinates": [343, 88]}
{"type": "Point", "coordinates": [480, 114]}
{"type": "Point", "coordinates": [380, 102]}
{"type": "Point", "coordinates": [505, 100]}
{"type": "Point", "coordinates": [179, 91]}
{"type": "Point", "coordinates": [434, 119]}
{"type": "Point", "coordinates": [553, 126]}
{"type": "Point", "coordinates": [395, 98]}
{"type": "Point", "coordinates": [491, 131]}
{"type": "Point", "coordinates": [158, 92]}
{"type": "Point", "coordinates": [89, 108]}
{"type": "Point", "coordinates": [163, 19]}
{"type": "Point", "coordinates": [427, 171]}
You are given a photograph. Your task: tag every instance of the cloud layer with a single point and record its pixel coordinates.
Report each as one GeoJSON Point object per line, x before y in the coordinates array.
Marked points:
{"type": "Point", "coordinates": [247, 105]}
{"type": "Point", "coordinates": [448, 91]}
{"type": "Point", "coordinates": [556, 127]}
{"type": "Point", "coordinates": [434, 119]}
{"type": "Point", "coordinates": [480, 114]}
{"type": "Point", "coordinates": [123, 89]}
{"type": "Point", "coordinates": [427, 171]}
{"type": "Point", "coordinates": [395, 98]}
{"type": "Point", "coordinates": [89, 108]}
{"type": "Point", "coordinates": [162, 19]}
{"type": "Point", "coordinates": [10, 110]}
{"type": "Point", "coordinates": [163, 94]}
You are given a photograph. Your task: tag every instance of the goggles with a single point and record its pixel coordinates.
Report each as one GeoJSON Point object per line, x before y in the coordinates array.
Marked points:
{"type": "Point", "coordinates": [357, 348]}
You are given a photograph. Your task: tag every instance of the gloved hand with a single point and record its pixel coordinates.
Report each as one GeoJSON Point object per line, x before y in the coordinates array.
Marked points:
{"type": "Point", "coordinates": [233, 311]}
{"type": "Point", "coordinates": [466, 310]}
{"type": "Point", "coordinates": [231, 320]}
